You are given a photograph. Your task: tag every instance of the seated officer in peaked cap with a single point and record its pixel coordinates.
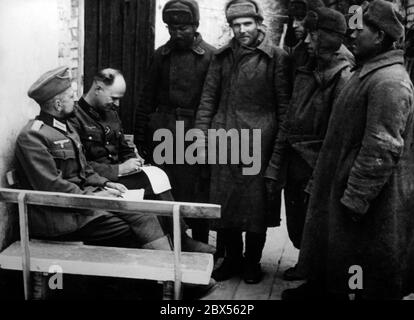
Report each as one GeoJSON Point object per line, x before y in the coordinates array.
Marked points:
{"type": "Point", "coordinates": [97, 122]}
{"type": "Point", "coordinates": [50, 157]}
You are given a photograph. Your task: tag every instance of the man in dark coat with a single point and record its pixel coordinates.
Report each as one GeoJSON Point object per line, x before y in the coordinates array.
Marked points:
{"type": "Point", "coordinates": [247, 87]}
{"type": "Point", "coordinates": [316, 87]}
{"type": "Point", "coordinates": [360, 220]}
{"type": "Point", "coordinates": [97, 122]}
{"type": "Point", "coordinates": [172, 93]}
{"type": "Point", "coordinates": [295, 38]}
{"type": "Point", "coordinates": [50, 157]}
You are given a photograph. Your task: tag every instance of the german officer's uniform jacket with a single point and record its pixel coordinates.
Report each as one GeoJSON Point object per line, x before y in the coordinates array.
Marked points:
{"type": "Point", "coordinates": [50, 157]}
{"type": "Point", "coordinates": [102, 135]}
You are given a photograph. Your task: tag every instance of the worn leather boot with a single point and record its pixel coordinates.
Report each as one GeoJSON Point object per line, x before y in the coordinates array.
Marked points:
{"type": "Point", "coordinates": [159, 244]}
{"type": "Point", "coordinates": [232, 264]}
{"type": "Point", "coordinates": [252, 272]}
{"type": "Point", "coordinates": [229, 268]}
{"type": "Point", "coordinates": [197, 292]}
{"type": "Point", "coordinates": [190, 245]}
{"type": "Point", "coordinates": [293, 274]}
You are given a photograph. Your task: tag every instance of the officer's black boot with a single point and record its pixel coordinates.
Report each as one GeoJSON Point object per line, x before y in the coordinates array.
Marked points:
{"type": "Point", "coordinates": [232, 263]}
{"type": "Point", "coordinates": [254, 246]}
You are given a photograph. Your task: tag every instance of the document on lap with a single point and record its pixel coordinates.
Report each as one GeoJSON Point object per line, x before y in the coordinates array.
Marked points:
{"type": "Point", "coordinates": [133, 195]}
{"type": "Point", "coordinates": [158, 179]}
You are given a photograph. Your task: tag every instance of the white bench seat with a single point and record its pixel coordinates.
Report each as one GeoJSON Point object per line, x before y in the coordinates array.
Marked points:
{"type": "Point", "coordinates": [109, 262]}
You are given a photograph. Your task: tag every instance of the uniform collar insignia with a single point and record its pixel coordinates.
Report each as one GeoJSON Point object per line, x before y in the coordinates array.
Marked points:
{"type": "Point", "coordinates": [59, 125]}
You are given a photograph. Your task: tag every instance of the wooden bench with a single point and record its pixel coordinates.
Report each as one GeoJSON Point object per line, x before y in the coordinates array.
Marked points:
{"type": "Point", "coordinates": [38, 256]}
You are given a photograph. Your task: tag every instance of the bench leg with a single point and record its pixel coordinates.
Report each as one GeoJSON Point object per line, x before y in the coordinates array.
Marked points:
{"type": "Point", "coordinates": [40, 286]}
{"type": "Point", "coordinates": [168, 290]}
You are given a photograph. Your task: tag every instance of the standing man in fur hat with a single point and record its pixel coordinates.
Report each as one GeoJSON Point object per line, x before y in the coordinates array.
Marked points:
{"type": "Point", "coordinates": [360, 221]}
{"type": "Point", "coordinates": [247, 87]}
{"type": "Point", "coordinates": [296, 32]}
{"type": "Point", "coordinates": [172, 93]}
{"type": "Point", "coordinates": [315, 89]}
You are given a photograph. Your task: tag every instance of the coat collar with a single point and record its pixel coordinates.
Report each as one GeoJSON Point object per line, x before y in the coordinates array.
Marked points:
{"type": "Point", "coordinates": [196, 47]}
{"type": "Point", "coordinates": [59, 124]}
{"type": "Point", "coordinates": [91, 111]}
{"type": "Point", "coordinates": [326, 76]}
{"type": "Point", "coordinates": [382, 60]}
{"type": "Point", "coordinates": [342, 57]}
{"type": "Point", "coordinates": [265, 45]}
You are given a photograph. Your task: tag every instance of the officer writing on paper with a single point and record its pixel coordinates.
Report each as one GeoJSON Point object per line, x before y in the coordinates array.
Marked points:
{"type": "Point", "coordinates": [100, 129]}
{"type": "Point", "coordinates": [50, 157]}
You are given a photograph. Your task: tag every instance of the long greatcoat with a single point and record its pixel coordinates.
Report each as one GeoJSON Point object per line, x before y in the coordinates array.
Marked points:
{"type": "Point", "coordinates": [366, 167]}
{"type": "Point", "coordinates": [172, 93]}
{"type": "Point", "coordinates": [244, 89]}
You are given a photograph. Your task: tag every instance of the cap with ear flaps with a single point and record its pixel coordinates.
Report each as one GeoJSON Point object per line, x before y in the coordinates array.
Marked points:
{"type": "Point", "coordinates": [181, 12]}
{"type": "Point", "coordinates": [332, 25]}
{"type": "Point", "coordinates": [243, 8]}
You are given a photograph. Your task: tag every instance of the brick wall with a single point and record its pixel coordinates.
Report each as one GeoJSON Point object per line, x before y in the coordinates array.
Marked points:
{"type": "Point", "coordinates": [70, 38]}
{"type": "Point", "coordinates": [36, 36]}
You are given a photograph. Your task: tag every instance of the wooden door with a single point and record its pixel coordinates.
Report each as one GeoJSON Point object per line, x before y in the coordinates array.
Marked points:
{"type": "Point", "coordinates": [120, 34]}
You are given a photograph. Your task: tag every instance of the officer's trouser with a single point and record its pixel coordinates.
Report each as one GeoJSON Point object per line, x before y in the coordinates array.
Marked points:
{"type": "Point", "coordinates": [141, 181]}
{"type": "Point", "coordinates": [122, 230]}
{"type": "Point", "coordinates": [296, 199]}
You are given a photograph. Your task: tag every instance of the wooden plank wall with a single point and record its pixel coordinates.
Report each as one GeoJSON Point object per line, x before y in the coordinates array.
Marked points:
{"type": "Point", "coordinates": [120, 34]}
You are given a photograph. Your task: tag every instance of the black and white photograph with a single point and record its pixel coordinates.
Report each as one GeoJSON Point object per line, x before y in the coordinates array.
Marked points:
{"type": "Point", "coordinates": [207, 155]}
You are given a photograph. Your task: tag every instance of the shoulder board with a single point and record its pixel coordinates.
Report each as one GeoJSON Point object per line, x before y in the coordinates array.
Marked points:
{"type": "Point", "coordinates": [37, 124]}
{"type": "Point", "coordinates": [406, 84]}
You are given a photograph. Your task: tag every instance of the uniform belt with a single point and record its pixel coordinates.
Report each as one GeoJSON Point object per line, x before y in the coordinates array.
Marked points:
{"type": "Point", "coordinates": [183, 112]}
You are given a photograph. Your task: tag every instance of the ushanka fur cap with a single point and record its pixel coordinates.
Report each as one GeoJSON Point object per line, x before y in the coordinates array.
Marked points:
{"type": "Point", "coordinates": [332, 25]}
{"type": "Point", "coordinates": [382, 14]}
{"type": "Point", "coordinates": [299, 8]}
{"type": "Point", "coordinates": [326, 19]}
{"type": "Point", "coordinates": [243, 8]}
{"type": "Point", "coordinates": [181, 12]}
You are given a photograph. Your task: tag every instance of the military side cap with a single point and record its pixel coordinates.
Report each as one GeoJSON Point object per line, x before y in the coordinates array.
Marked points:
{"type": "Point", "coordinates": [181, 12]}
{"type": "Point", "coordinates": [382, 14]}
{"type": "Point", "coordinates": [50, 84]}
{"type": "Point", "coordinates": [243, 9]}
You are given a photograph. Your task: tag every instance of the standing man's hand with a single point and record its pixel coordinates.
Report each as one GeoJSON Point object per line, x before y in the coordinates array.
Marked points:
{"type": "Point", "coordinates": [354, 216]}
{"type": "Point", "coordinates": [273, 187]}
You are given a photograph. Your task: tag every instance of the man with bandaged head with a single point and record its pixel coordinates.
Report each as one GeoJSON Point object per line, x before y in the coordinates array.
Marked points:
{"type": "Point", "coordinates": [316, 87]}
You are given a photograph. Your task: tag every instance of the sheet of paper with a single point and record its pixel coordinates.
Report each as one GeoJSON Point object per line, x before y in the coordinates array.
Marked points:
{"type": "Point", "coordinates": [158, 179]}
{"type": "Point", "coordinates": [134, 195]}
